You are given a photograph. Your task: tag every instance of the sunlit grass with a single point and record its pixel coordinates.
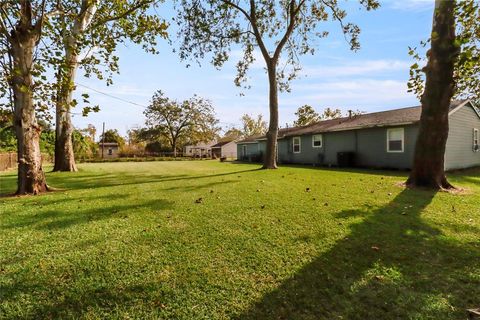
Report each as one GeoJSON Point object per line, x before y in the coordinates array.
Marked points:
{"type": "Point", "coordinates": [210, 240]}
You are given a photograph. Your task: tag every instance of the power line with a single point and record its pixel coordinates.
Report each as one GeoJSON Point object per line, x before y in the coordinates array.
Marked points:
{"type": "Point", "coordinates": [229, 124]}
{"type": "Point", "coordinates": [112, 96]}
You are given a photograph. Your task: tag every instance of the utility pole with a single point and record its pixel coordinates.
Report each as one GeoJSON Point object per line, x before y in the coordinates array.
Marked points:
{"type": "Point", "coordinates": [103, 138]}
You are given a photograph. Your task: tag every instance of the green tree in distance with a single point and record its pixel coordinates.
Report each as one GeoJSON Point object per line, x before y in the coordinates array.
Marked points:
{"type": "Point", "coordinates": [190, 121]}
{"type": "Point", "coordinates": [305, 116]}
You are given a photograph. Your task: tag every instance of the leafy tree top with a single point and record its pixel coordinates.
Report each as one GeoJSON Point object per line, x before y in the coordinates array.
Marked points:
{"type": "Point", "coordinates": [289, 26]}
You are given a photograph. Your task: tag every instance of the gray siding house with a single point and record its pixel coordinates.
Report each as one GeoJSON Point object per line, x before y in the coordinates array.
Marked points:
{"type": "Point", "coordinates": [375, 140]}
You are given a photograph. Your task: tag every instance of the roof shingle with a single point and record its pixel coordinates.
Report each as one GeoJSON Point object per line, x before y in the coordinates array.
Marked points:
{"type": "Point", "coordinates": [369, 120]}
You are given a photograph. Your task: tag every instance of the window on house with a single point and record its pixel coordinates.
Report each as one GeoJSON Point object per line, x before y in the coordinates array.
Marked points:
{"type": "Point", "coordinates": [317, 141]}
{"type": "Point", "coordinates": [110, 152]}
{"type": "Point", "coordinates": [395, 140]}
{"type": "Point", "coordinates": [476, 147]}
{"type": "Point", "coordinates": [244, 150]}
{"type": "Point", "coordinates": [296, 144]}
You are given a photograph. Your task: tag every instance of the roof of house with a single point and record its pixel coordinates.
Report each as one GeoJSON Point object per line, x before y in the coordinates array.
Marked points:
{"type": "Point", "coordinates": [252, 139]}
{"type": "Point", "coordinates": [202, 145]}
{"type": "Point", "coordinates": [222, 143]}
{"type": "Point", "coordinates": [394, 117]}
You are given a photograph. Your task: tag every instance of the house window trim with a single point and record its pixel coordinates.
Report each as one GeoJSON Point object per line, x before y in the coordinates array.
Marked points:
{"type": "Point", "coordinates": [299, 145]}
{"type": "Point", "coordinates": [403, 140]}
{"type": "Point", "coordinates": [476, 146]}
{"type": "Point", "coordinates": [313, 141]}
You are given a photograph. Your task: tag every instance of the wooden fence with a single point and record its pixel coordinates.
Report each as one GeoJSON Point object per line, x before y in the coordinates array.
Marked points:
{"type": "Point", "coordinates": [8, 160]}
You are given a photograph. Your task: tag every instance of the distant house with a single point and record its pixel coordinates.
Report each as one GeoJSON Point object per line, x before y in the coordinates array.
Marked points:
{"type": "Point", "coordinates": [226, 148]}
{"type": "Point", "coordinates": [379, 140]}
{"type": "Point", "coordinates": [200, 150]}
{"type": "Point", "coordinates": [110, 150]}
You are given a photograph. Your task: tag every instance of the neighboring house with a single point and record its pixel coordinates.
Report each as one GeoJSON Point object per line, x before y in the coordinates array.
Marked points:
{"type": "Point", "coordinates": [225, 149]}
{"type": "Point", "coordinates": [251, 149]}
{"type": "Point", "coordinates": [110, 150]}
{"type": "Point", "coordinates": [200, 150]}
{"type": "Point", "coordinates": [377, 140]}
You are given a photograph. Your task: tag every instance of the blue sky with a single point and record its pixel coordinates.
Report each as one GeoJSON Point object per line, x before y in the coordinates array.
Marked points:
{"type": "Point", "coordinates": [371, 79]}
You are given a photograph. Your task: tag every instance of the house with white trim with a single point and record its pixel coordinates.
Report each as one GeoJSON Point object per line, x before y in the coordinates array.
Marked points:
{"type": "Point", "coordinates": [375, 140]}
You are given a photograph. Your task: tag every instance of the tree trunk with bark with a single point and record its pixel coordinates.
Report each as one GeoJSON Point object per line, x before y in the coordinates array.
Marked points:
{"type": "Point", "coordinates": [174, 148]}
{"type": "Point", "coordinates": [64, 155]}
{"type": "Point", "coordinates": [23, 40]}
{"type": "Point", "coordinates": [270, 160]}
{"type": "Point", "coordinates": [428, 165]}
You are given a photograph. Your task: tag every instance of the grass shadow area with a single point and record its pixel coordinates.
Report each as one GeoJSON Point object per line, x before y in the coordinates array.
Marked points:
{"type": "Point", "coordinates": [92, 180]}
{"type": "Point", "coordinates": [392, 265]}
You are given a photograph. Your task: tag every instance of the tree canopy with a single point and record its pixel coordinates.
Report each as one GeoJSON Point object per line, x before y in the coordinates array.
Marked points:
{"type": "Point", "coordinates": [306, 115]}
{"type": "Point", "coordinates": [189, 121]}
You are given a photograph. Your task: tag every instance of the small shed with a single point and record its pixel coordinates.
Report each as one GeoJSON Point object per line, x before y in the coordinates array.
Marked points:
{"type": "Point", "coordinates": [226, 148]}
{"type": "Point", "coordinates": [108, 150]}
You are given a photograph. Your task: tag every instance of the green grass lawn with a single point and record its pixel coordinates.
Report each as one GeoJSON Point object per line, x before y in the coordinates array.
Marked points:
{"type": "Point", "coordinates": [130, 241]}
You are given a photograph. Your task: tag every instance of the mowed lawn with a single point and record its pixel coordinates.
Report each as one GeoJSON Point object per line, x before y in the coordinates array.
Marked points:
{"type": "Point", "coordinates": [211, 240]}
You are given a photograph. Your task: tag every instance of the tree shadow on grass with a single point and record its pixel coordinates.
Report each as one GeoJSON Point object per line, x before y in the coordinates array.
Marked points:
{"type": "Point", "coordinates": [392, 265]}
{"type": "Point", "coordinates": [102, 300]}
{"type": "Point", "coordinates": [61, 219]}
{"type": "Point", "coordinates": [93, 181]}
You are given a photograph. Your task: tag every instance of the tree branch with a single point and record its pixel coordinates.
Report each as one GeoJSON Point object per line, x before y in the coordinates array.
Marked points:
{"type": "Point", "coordinates": [291, 26]}
{"type": "Point", "coordinates": [258, 36]}
{"type": "Point", "coordinates": [122, 15]}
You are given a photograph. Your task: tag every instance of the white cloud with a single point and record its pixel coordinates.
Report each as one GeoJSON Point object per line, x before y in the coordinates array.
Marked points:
{"type": "Point", "coordinates": [411, 5]}
{"type": "Point", "coordinates": [368, 95]}
{"type": "Point", "coordinates": [367, 67]}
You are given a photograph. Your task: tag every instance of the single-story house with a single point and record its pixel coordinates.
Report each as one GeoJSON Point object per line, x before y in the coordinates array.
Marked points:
{"type": "Point", "coordinates": [376, 140]}
{"type": "Point", "coordinates": [108, 150]}
{"type": "Point", "coordinates": [226, 148]}
{"type": "Point", "coordinates": [200, 150]}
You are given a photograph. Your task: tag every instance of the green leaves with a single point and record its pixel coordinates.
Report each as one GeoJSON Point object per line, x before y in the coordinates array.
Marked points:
{"type": "Point", "coordinates": [211, 28]}
{"type": "Point", "coordinates": [467, 65]}
{"type": "Point", "coordinates": [191, 120]}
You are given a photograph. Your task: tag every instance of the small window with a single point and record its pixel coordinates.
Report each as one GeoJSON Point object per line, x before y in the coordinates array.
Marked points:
{"type": "Point", "coordinates": [476, 147]}
{"type": "Point", "coordinates": [296, 144]}
{"type": "Point", "coordinates": [317, 141]}
{"type": "Point", "coordinates": [395, 140]}
{"type": "Point", "coordinates": [110, 152]}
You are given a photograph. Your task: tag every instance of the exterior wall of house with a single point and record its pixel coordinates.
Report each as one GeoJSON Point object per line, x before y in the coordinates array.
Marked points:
{"type": "Point", "coordinates": [252, 150]}
{"type": "Point", "coordinates": [109, 152]}
{"type": "Point", "coordinates": [369, 146]}
{"type": "Point", "coordinates": [335, 142]}
{"type": "Point", "coordinates": [229, 150]}
{"type": "Point", "coordinates": [307, 155]}
{"type": "Point", "coordinates": [372, 148]}
{"type": "Point", "coordinates": [459, 152]}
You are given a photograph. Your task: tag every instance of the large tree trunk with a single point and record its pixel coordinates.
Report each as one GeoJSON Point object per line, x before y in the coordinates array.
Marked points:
{"type": "Point", "coordinates": [31, 177]}
{"type": "Point", "coordinates": [428, 165]}
{"type": "Point", "coordinates": [64, 156]}
{"type": "Point", "coordinates": [270, 160]}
